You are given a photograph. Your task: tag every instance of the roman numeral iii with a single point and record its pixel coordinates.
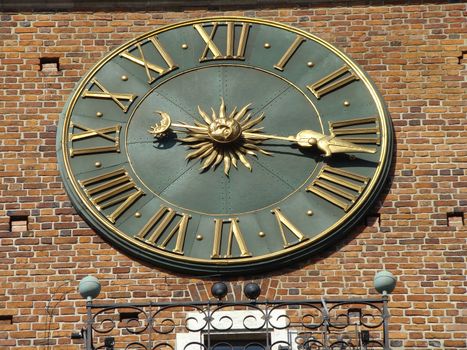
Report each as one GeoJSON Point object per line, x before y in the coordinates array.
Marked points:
{"type": "Point", "coordinates": [234, 47]}
{"type": "Point", "coordinates": [358, 130]}
{"type": "Point", "coordinates": [340, 187]}
{"type": "Point", "coordinates": [150, 67]}
{"type": "Point", "coordinates": [110, 134]}
{"type": "Point", "coordinates": [161, 222]}
{"type": "Point", "coordinates": [115, 190]}
{"type": "Point", "coordinates": [333, 81]}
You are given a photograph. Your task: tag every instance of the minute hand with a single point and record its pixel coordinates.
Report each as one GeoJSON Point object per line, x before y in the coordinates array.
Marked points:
{"type": "Point", "coordinates": [309, 138]}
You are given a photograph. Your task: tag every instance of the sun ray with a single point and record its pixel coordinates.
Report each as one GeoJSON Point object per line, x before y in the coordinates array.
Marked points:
{"type": "Point", "coordinates": [204, 115]}
{"type": "Point", "coordinates": [219, 158]}
{"type": "Point", "coordinates": [207, 152]}
{"type": "Point", "coordinates": [222, 109]}
{"type": "Point", "coordinates": [233, 159]}
{"type": "Point", "coordinates": [210, 159]}
{"type": "Point", "coordinates": [198, 152]}
{"type": "Point", "coordinates": [232, 114]}
{"type": "Point", "coordinates": [226, 165]}
{"type": "Point", "coordinates": [243, 159]}
{"type": "Point", "coordinates": [245, 120]}
{"type": "Point", "coordinates": [256, 148]}
{"type": "Point", "coordinates": [242, 112]}
{"type": "Point", "coordinates": [247, 151]}
{"type": "Point", "coordinates": [198, 145]}
{"type": "Point", "coordinates": [213, 117]}
{"type": "Point", "coordinates": [253, 122]}
{"type": "Point", "coordinates": [189, 139]}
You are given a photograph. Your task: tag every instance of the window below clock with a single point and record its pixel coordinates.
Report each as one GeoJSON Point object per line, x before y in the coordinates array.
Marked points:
{"type": "Point", "coordinates": [234, 330]}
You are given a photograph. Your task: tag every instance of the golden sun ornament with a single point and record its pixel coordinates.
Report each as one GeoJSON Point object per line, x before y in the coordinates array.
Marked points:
{"type": "Point", "coordinates": [221, 138]}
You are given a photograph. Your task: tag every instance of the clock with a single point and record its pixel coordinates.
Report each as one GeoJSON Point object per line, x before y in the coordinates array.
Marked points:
{"type": "Point", "coordinates": [224, 145]}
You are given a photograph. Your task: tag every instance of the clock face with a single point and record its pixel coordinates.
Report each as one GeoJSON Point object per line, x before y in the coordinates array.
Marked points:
{"type": "Point", "coordinates": [224, 145]}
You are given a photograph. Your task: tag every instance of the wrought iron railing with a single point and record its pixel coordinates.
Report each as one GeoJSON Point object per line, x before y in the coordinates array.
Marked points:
{"type": "Point", "coordinates": [270, 325]}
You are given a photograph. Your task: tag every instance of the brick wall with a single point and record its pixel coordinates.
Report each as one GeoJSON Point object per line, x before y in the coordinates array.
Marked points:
{"type": "Point", "coordinates": [415, 53]}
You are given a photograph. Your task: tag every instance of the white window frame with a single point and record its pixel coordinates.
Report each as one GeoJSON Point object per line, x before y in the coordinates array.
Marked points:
{"type": "Point", "coordinates": [233, 322]}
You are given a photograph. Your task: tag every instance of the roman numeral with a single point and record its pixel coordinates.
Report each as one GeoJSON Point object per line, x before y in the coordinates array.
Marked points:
{"type": "Point", "coordinates": [112, 189]}
{"type": "Point", "coordinates": [233, 49]}
{"type": "Point", "coordinates": [106, 94]}
{"type": "Point", "coordinates": [290, 51]}
{"type": "Point", "coordinates": [163, 220]}
{"type": "Point", "coordinates": [148, 66]}
{"type": "Point", "coordinates": [284, 223]}
{"type": "Point", "coordinates": [359, 130]}
{"type": "Point", "coordinates": [111, 133]}
{"type": "Point", "coordinates": [333, 81]}
{"type": "Point", "coordinates": [340, 187]}
{"type": "Point", "coordinates": [231, 227]}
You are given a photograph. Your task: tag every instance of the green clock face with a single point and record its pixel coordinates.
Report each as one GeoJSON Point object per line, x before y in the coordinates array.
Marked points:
{"type": "Point", "coordinates": [224, 145]}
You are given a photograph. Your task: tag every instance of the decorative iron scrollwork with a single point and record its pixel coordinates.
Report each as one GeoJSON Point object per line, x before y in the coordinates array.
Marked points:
{"type": "Point", "coordinates": [270, 325]}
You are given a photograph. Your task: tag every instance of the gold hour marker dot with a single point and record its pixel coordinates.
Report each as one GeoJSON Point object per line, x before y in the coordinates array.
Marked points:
{"type": "Point", "coordinates": [124, 78]}
{"type": "Point", "coordinates": [310, 64]}
{"type": "Point", "coordinates": [184, 46]}
{"type": "Point", "coordinates": [97, 164]}
{"type": "Point", "coordinates": [346, 103]}
{"type": "Point", "coordinates": [99, 114]}
{"type": "Point", "coordinates": [137, 214]}
{"type": "Point", "coordinates": [199, 237]}
{"type": "Point", "coordinates": [267, 45]}
{"type": "Point", "coordinates": [309, 213]}
{"type": "Point", "coordinates": [261, 234]}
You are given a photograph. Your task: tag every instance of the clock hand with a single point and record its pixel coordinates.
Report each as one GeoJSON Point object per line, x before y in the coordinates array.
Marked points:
{"type": "Point", "coordinates": [309, 138]}
{"type": "Point", "coordinates": [304, 138]}
{"type": "Point", "coordinates": [159, 129]}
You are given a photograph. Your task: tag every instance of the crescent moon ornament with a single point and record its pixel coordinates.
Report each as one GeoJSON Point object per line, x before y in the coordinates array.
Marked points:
{"type": "Point", "coordinates": [159, 129]}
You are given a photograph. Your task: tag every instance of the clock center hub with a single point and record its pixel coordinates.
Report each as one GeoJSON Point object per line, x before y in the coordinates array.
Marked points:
{"type": "Point", "coordinates": [225, 130]}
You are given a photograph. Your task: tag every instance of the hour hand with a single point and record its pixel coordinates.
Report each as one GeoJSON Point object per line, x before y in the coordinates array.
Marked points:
{"type": "Point", "coordinates": [331, 144]}
{"type": "Point", "coordinates": [309, 138]}
{"type": "Point", "coordinates": [304, 138]}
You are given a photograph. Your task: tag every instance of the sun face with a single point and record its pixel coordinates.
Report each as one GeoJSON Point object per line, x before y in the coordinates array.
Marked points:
{"type": "Point", "coordinates": [221, 138]}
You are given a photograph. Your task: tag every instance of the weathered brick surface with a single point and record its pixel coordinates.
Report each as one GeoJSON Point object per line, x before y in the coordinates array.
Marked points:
{"type": "Point", "coordinates": [415, 53]}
